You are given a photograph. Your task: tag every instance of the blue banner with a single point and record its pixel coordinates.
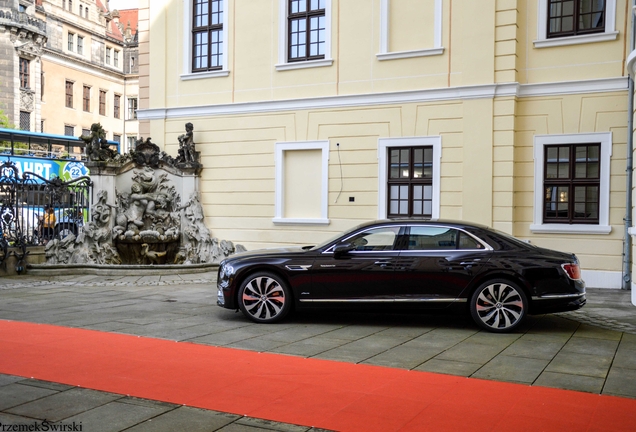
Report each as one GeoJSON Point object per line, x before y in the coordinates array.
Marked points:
{"type": "Point", "coordinates": [66, 170]}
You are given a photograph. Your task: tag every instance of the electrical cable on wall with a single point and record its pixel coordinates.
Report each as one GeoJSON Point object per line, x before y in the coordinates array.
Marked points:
{"type": "Point", "coordinates": [340, 164]}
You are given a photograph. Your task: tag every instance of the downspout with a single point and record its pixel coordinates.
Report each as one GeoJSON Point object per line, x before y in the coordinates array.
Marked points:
{"type": "Point", "coordinates": [627, 244]}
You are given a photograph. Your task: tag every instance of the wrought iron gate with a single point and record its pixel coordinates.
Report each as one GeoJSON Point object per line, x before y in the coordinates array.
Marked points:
{"type": "Point", "coordinates": [35, 210]}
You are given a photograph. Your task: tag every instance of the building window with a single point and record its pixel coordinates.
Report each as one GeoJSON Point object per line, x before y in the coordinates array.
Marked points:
{"type": "Point", "coordinates": [132, 108]}
{"type": "Point", "coordinates": [102, 102]}
{"type": "Point", "coordinates": [86, 12]}
{"type": "Point", "coordinates": [108, 55]}
{"type": "Point", "coordinates": [568, 22]}
{"type": "Point", "coordinates": [63, 4]}
{"type": "Point", "coordinates": [572, 183]}
{"type": "Point", "coordinates": [42, 126]}
{"type": "Point", "coordinates": [302, 175]}
{"type": "Point", "coordinates": [117, 138]}
{"type": "Point", "coordinates": [69, 94]}
{"type": "Point", "coordinates": [116, 58]}
{"type": "Point", "coordinates": [69, 130]}
{"type": "Point", "coordinates": [116, 102]}
{"type": "Point", "coordinates": [80, 45]}
{"type": "Point", "coordinates": [25, 120]}
{"type": "Point", "coordinates": [306, 26]}
{"type": "Point", "coordinates": [304, 34]}
{"type": "Point", "coordinates": [409, 177]}
{"type": "Point", "coordinates": [410, 182]}
{"type": "Point", "coordinates": [42, 85]}
{"type": "Point", "coordinates": [207, 35]}
{"type": "Point", "coordinates": [574, 17]}
{"type": "Point", "coordinates": [131, 142]}
{"type": "Point", "coordinates": [86, 132]}
{"type": "Point", "coordinates": [24, 73]}
{"type": "Point", "coordinates": [70, 5]}
{"type": "Point", "coordinates": [70, 41]}
{"type": "Point", "coordinates": [86, 100]}
{"type": "Point", "coordinates": [81, 9]}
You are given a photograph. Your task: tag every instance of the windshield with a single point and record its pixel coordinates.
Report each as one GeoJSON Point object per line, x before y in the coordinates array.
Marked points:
{"type": "Point", "coordinates": [336, 237]}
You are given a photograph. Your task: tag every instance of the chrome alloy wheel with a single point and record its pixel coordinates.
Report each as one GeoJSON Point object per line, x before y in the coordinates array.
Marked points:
{"type": "Point", "coordinates": [499, 306]}
{"type": "Point", "coordinates": [264, 299]}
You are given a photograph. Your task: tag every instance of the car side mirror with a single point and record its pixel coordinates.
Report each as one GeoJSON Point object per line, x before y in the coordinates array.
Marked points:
{"type": "Point", "coordinates": [342, 248]}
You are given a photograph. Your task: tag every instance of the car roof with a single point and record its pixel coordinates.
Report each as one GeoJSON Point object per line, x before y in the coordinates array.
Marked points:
{"type": "Point", "coordinates": [418, 221]}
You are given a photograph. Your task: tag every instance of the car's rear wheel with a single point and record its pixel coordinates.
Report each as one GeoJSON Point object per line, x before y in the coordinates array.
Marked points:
{"type": "Point", "coordinates": [499, 306]}
{"type": "Point", "coordinates": [264, 298]}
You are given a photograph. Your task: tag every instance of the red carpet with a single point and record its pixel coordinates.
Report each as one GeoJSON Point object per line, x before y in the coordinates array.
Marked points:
{"type": "Point", "coordinates": [320, 393]}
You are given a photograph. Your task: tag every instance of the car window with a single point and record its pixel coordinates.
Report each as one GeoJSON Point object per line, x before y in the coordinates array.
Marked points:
{"type": "Point", "coordinates": [439, 238]}
{"type": "Point", "coordinates": [468, 242]}
{"type": "Point", "coordinates": [376, 239]}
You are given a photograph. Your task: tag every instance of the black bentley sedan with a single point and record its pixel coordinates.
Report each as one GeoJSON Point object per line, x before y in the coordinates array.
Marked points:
{"type": "Point", "coordinates": [408, 264]}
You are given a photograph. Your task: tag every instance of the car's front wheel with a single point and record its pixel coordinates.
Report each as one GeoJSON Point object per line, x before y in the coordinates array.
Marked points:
{"type": "Point", "coordinates": [264, 298]}
{"type": "Point", "coordinates": [499, 306]}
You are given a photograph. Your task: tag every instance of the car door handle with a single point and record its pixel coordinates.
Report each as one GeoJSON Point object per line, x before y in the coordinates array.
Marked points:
{"type": "Point", "coordinates": [382, 263]}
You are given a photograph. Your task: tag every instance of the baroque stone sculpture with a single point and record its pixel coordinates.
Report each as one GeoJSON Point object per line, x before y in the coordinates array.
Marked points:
{"type": "Point", "coordinates": [97, 147]}
{"type": "Point", "coordinates": [147, 223]}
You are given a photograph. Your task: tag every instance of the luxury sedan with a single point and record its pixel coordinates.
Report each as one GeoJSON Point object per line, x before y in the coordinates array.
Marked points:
{"type": "Point", "coordinates": [410, 264]}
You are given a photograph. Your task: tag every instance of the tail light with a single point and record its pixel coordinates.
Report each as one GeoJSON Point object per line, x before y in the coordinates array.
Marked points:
{"type": "Point", "coordinates": [572, 270]}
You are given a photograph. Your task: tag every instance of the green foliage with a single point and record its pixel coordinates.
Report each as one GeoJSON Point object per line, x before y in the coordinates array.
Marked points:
{"type": "Point", "coordinates": [4, 121]}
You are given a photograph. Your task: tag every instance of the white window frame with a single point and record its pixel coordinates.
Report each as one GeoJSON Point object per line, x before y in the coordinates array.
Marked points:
{"type": "Point", "coordinates": [542, 28]}
{"type": "Point", "coordinates": [283, 64]}
{"type": "Point", "coordinates": [603, 226]}
{"type": "Point", "coordinates": [385, 54]}
{"type": "Point", "coordinates": [187, 45]}
{"type": "Point", "coordinates": [279, 155]}
{"type": "Point", "coordinates": [383, 168]}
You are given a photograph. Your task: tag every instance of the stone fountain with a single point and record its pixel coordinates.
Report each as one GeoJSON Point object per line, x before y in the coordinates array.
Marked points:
{"type": "Point", "coordinates": [139, 216]}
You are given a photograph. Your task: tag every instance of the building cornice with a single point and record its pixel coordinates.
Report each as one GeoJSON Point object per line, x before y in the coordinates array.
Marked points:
{"type": "Point", "coordinates": [82, 65]}
{"type": "Point", "coordinates": [487, 91]}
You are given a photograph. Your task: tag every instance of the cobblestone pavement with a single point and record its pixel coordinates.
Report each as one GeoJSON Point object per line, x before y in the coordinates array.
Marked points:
{"type": "Point", "coordinates": [591, 350]}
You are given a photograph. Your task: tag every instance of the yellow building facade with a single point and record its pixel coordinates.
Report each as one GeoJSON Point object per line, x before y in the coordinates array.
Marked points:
{"type": "Point", "coordinates": [313, 116]}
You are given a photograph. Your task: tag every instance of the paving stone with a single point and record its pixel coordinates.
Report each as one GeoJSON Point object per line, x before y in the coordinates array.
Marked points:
{"type": "Point", "coordinates": [269, 425]}
{"type": "Point", "coordinates": [65, 404]}
{"type": "Point", "coordinates": [625, 358]}
{"type": "Point", "coordinates": [310, 347]}
{"type": "Point", "coordinates": [570, 382]}
{"type": "Point", "coordinates": [115, 416]}
{"type": "Point", "coordinates": [584, 345]}
{"type": "Point", "coordinates": [403, 357]}
{"type": "Point", "coordinates": [46, 384]}
{"type": "Point", "coordinates": [580, 364]}
{"type": "Point", "coordinates": [449, 367]}
{"type": "Point", "coordinates": [512, 369]}
{"type": "Point", "coordinates": [186, 419]}
{"type": "Point", "coordinates": [9, 379]}
{"type": "Point", "coordinates": [621, 382]}
{"type": "Point", "coordinates": [536, 348]}
{"type": "Point", "coordinates": [593, 332]}
{"type": "Point", "coordinates": [15, 394]}
{"type": "Point", "coordinates": [476, 352]}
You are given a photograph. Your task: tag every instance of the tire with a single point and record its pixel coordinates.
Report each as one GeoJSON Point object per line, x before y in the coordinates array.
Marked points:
{"type": "Point", "coordinates": [499, 306]}
{"type": "Point", "coordinates": [264, 298]}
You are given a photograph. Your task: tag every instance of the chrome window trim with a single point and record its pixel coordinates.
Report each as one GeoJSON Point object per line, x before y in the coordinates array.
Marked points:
{"type": "Point", "coordinates": [399, 225]}
{"type": "Point", "coordinates": [487, 247]}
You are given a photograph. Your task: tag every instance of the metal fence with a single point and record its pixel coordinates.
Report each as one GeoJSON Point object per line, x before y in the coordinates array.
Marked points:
{"type": "Point", "coordinates": [35, 210]}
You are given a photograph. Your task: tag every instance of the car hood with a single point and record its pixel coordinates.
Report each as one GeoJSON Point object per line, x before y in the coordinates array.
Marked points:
{"type": "Point", "coordinates": [267, 252]}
